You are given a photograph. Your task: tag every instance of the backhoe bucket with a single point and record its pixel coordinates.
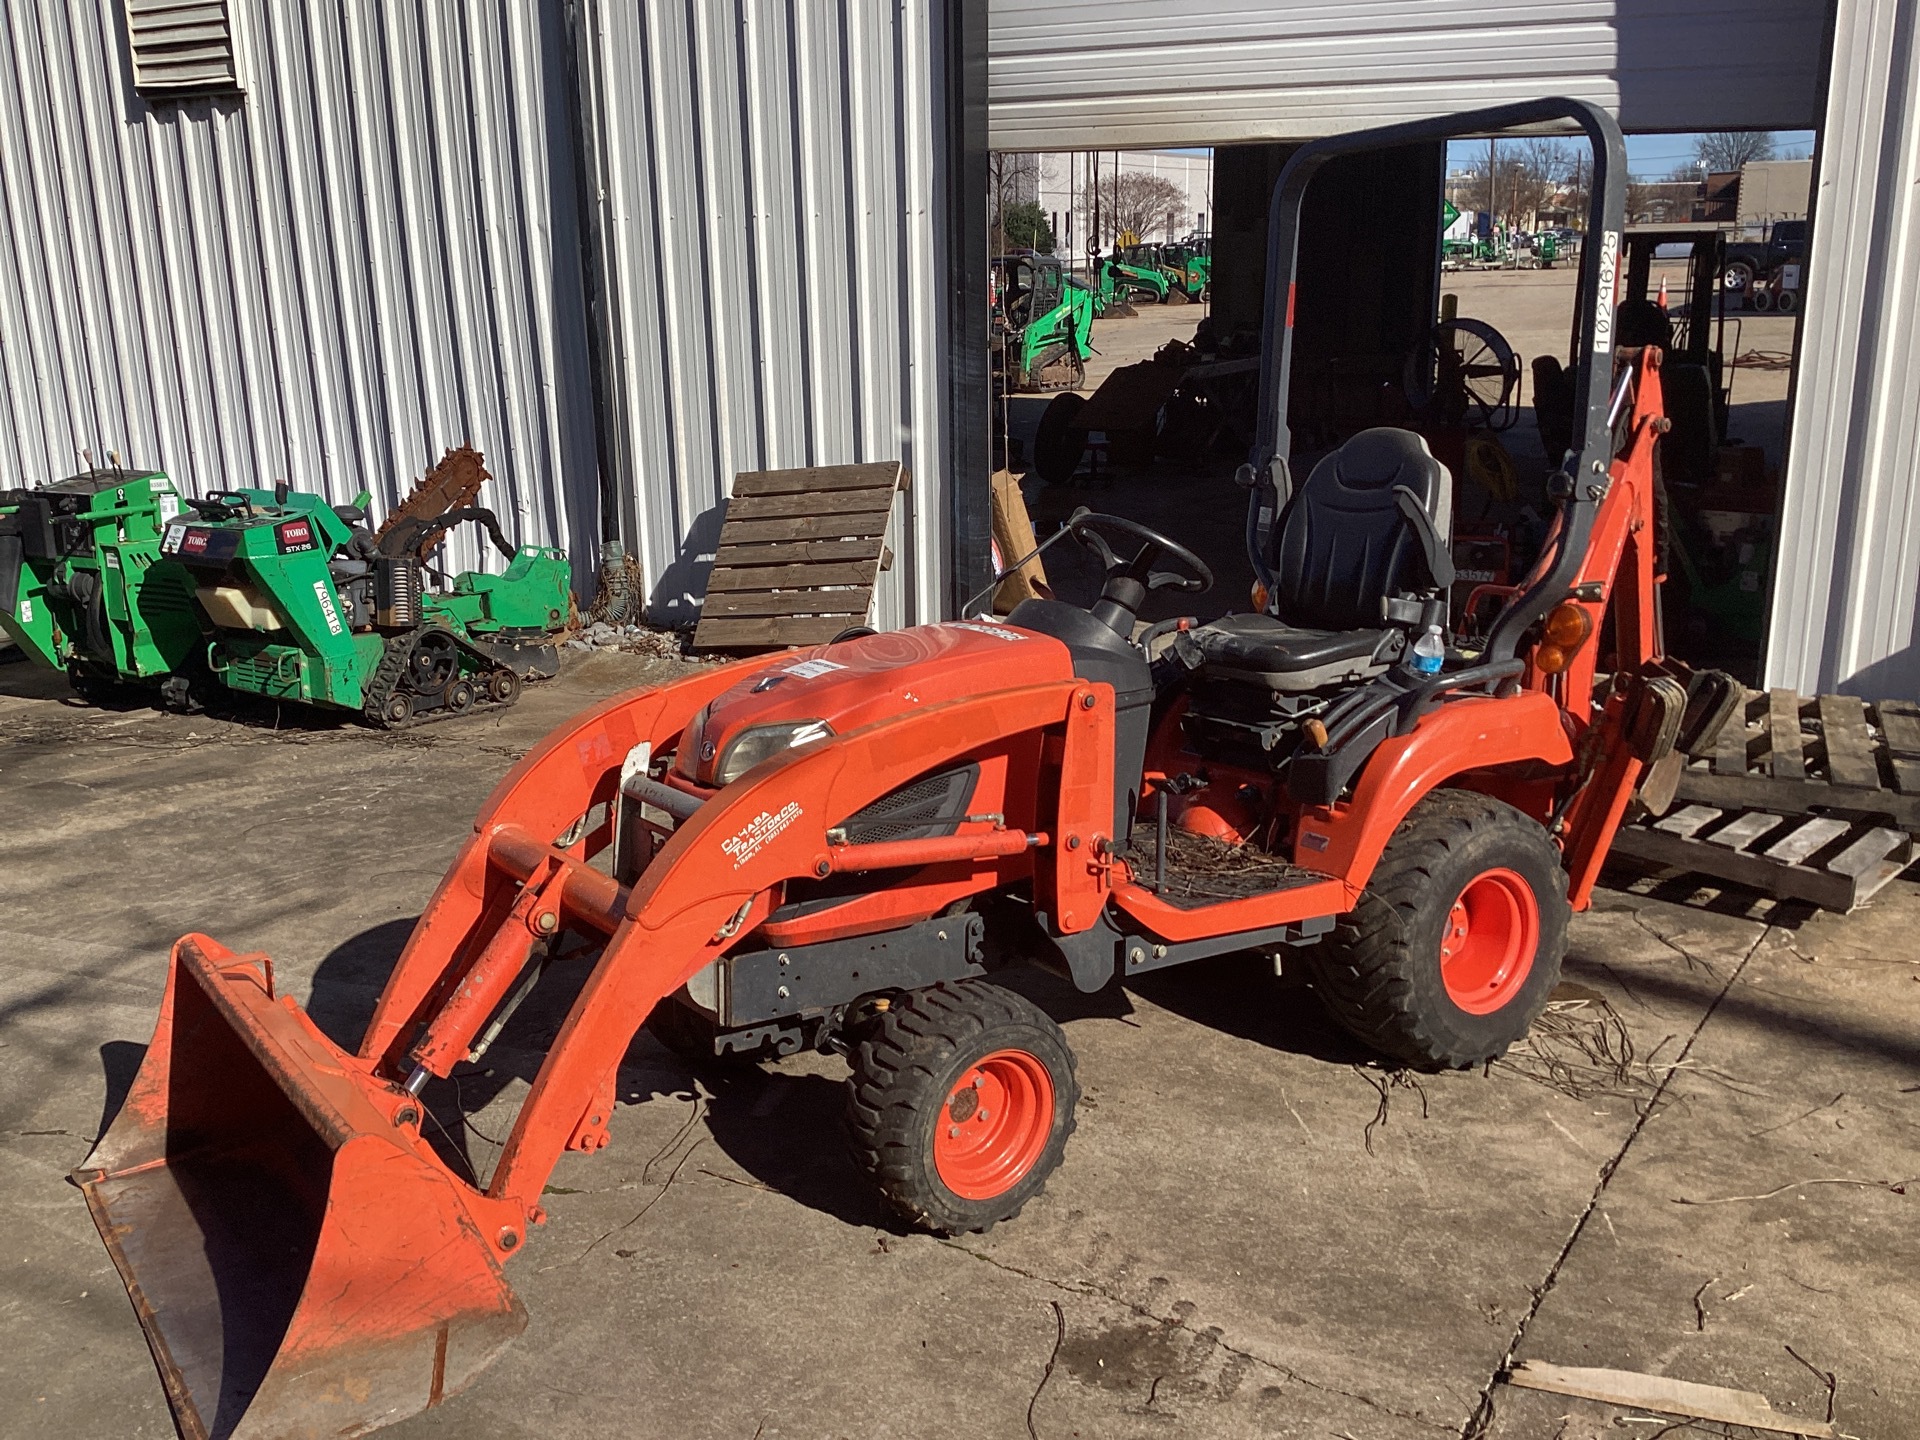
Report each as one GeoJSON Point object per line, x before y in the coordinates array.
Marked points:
{"type": "Point", "coordinates": [301, 1264]}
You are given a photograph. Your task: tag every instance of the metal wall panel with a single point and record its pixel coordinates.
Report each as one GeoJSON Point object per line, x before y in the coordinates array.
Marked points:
{"type": "Point", "coordinates": [1847, 580]}
{"type": "Point", "coordinates": [768, 201]}
{"type": "Point", "coordinates": [370, 255]}
{"type": "Point", "coordinates": [1078, 74]}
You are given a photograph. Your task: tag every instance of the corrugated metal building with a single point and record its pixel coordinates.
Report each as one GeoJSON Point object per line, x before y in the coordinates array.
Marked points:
{"type": "Point", "coordinates": [766, 182]}
{"type": "Point", "coordinates": [366, 255]}
{"type": "Point", "coordinates": [398, 228]}
{"type": "Point", "coordinates": [1086, 74]}
{"type": "Point", "coordinates": [653, 244]}
{"type": "Point", "coordinates": [1847, 587]}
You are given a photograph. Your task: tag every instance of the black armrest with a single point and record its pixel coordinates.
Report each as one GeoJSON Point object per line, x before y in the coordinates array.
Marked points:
{"type": "Point", "coordinates": [1439, 558]}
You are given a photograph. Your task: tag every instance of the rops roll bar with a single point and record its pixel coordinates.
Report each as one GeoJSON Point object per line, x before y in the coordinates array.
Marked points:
{"type": "Point", "coordinates": [1582, 480]}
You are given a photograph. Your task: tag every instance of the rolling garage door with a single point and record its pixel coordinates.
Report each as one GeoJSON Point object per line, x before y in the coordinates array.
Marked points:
{"type": "Point", "coordinates": [1076, 74]}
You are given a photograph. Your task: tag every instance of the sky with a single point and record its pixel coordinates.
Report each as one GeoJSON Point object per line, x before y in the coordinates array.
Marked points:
{"type": "Point", "coordinates": [1649, 157]}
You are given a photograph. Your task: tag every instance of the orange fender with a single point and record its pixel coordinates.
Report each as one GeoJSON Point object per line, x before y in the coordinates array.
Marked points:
{"type": "Point", "coordinates": [1473, 733]}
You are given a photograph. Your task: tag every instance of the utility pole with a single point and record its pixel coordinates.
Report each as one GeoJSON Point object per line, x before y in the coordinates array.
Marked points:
{"type": "Point", "coordinates": [1093, 234]}
{"type": "Point", "coordinates": [1493, 180]}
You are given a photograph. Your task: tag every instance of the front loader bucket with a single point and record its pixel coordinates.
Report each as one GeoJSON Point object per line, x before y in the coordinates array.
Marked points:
{"type": "Point", "coordinates": [302, 1266]}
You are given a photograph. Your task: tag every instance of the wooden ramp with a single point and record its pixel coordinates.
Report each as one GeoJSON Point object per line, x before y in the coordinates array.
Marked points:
{"type": "Point", "coordinates": [1807, 799]}
{"type": "Point", "coordinates": [798, 555]}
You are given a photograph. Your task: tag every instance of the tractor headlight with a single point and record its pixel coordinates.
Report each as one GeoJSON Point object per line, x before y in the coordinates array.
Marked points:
{"type": "Point", "coordinates": [750, 747]}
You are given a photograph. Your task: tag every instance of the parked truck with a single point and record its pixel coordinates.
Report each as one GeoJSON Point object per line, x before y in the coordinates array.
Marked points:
{"type": "Point", "coordinates": [1750, 263]}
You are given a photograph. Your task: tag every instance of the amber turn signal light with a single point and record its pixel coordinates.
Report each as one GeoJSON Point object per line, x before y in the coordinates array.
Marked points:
{"type": "Point", "coordinates": [1568, 625]}
{"type": "Point", "coordinates": [1259, 598]}
{"type": "Point", "coordinates": [1567, 628]}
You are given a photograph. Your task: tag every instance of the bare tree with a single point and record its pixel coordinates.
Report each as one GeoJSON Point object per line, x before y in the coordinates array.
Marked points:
{"type": "Point", "coordinates": [1136, 201]}
{"type": "Point", "coordinates": [1548, 159]}
{"type": "Point", "coordinates": [1011, 179]}
{"type": "Point", "coordinates": [1577, 184]}
{"type": "Point", "coordinates": [1731, 149]}
{"type": "Point", "coordinates": [1527, 175]}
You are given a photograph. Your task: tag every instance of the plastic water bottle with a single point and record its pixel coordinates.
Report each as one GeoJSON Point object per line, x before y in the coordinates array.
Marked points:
{"type": "Point", "coordinates": [1429, 652]}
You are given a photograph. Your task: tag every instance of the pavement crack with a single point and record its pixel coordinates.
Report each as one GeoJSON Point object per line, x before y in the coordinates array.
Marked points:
{"type": "Point", "coordinates": [1096, 1292]}
{"type": "Point", "coordinates": [1481, 1417]}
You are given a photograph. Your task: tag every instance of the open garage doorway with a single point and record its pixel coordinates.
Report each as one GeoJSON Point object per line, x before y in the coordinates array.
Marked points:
{"type": "Point", "coordinates": [1710, 270]}
{"type": "Point", "coordinates": [1416, 275]}
{"type": "Point", "coordinates": [1163, 412]}
{"type": "Point", "coordinates": [1104, 260]}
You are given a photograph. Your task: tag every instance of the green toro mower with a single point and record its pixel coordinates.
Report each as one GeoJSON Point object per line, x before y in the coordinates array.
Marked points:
{"type": "Point", "coordinates": [276, 593]}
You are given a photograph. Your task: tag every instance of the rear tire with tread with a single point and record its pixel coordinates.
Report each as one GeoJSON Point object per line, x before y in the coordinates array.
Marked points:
{"type": "Point", "coordinates": [1380, 973]}
{"type": "Point", "coordinates": [909, 1071]}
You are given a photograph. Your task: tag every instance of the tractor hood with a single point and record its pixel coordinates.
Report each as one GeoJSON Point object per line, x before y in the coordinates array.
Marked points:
{"type": "Point", "coordinates": [834, 689]}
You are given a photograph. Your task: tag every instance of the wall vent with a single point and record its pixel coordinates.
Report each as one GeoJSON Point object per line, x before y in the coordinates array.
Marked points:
{"type": "Point", "coordinates": [181, 47]}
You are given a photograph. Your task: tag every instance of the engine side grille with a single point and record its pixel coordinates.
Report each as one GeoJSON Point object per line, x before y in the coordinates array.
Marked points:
{"type": "Point", "coordinates": [931, 806]}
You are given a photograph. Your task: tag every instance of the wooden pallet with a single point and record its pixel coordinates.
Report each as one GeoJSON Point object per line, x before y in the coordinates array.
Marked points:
{"type": "Point", "coordinates": [1807, 799]}
{"type": "Point", "coordinates": [1787, 753]}
{"type": "Point", "coordinates": [798, 555]}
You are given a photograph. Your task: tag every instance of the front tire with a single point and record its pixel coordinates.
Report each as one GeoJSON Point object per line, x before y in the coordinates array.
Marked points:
{"type": "Point", "coordinates": [1456, 945]}
{"type": "Point", "coordinates": [960, 1104]}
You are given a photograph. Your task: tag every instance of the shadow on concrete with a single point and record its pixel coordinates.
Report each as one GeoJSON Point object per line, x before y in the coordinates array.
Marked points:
{"type": "Point", "coordinates": [347, 984]}
{"type": "Point", "coordinates": [119, 1063]}
{"type": "Point", "coordinates": [1855, 1035]}
{"type": "Point", "coordinates": [1642, 879]}
{"type": "Point", "coordinates": [786, 1131]}
{"type": "Point", "coordinates": [1239, 995]}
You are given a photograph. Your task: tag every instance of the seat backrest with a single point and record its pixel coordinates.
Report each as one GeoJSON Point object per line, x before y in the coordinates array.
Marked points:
{"type": "Point", "coordinates": [1343, 543]}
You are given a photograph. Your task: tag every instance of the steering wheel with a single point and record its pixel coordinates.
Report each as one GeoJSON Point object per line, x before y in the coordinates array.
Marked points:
{"type": "Point", "coordinates": [1086, 525]}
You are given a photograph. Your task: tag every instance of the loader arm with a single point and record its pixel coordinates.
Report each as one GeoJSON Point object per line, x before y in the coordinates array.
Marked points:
{"type": "Point", "coordinates": [572, 770]}
{"type": "Point", "coordinates": [716, 878]}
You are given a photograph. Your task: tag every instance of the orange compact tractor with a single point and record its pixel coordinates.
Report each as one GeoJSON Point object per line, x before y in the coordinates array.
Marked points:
{"type": "Point", "coordinates": [842, 847]}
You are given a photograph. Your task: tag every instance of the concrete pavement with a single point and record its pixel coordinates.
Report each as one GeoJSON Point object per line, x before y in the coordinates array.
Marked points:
{"type": "Point", "coordinates": [1257, 1231]}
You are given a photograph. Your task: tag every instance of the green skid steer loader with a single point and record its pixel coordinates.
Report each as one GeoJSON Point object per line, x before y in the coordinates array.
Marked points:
{"type": "Point", "coordinates": [1128, 275]}
{"type": "Point", "coordinates": [1188, 266]}
{"type": "Point", "coordinates": [1043, 325]}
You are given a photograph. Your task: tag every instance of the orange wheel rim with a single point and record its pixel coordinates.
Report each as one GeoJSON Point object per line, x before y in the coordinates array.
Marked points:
{"type": "Point", "coordinates": [994, 1125]}
{"type": "Point", "coordinates": [1487, 949]}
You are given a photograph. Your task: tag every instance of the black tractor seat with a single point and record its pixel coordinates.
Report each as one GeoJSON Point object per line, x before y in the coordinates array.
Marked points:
{"type": "Point", "coordinates": [1360, 566]}
{"type": "Point", "coordinates": [1267, 651]}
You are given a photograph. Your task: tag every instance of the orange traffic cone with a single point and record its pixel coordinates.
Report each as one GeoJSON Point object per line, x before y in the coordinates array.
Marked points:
{"type": "Point", "coordinates": [1662, 301]}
